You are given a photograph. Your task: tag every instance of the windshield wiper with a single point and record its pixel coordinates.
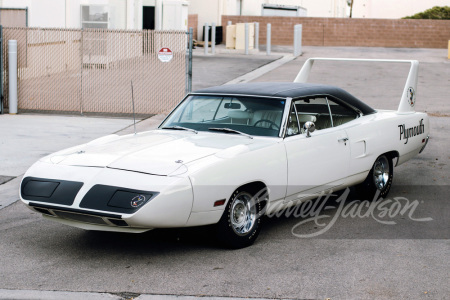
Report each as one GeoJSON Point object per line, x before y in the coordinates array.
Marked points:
{"type": "Point", "coordinates": [180, 128]}
{"type": "Point", "coordinates": [230, 131]}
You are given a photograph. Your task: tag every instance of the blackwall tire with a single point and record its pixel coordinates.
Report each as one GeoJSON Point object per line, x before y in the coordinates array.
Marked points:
{"type": "Point", "coordinates": [241, 222]}
{"type": "Point", "coordinates": [379, 180]}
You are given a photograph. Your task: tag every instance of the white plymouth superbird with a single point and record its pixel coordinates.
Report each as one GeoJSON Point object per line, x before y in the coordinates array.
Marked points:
{"type": "Point", "coordinates": [227, 155]}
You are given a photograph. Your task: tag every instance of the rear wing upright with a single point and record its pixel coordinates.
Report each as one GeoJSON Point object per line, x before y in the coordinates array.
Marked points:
{"type": "Point", "coordinates": [408, 99]}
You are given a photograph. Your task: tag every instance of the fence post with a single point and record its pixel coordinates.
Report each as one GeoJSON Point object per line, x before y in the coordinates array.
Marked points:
{"type": "Point", "coordinates": [206, 38]}
{"type": "Point", "coordinates": [12, 76]}
{"type": "Point", "coordinates": [26, 16]}
{"type": "Point", "coordinates": [1, 70]}
{"type": "Point", "coordinates": [269, 28]}
{"type": "Point", "coordinates": [213, 38]}
{"type": "Point", "coordinates": [256, 35]}
{"type": "Point", "coordinates": [189, 68]}
{"type": "Point", "coordinates": [81, 71]}
{"type": "Point", "coordinates": [297, 39]}
{"type": "Point", "coordinates": [246, 39]}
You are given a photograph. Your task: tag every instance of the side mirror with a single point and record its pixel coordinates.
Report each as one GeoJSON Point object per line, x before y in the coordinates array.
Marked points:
{"type": "Point", "coordinates": [309, 127]}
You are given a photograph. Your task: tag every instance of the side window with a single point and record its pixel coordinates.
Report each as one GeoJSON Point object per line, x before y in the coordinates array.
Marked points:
{"type": "Point", "coordinates": [341, 114]}
{"type": "Point", "coordinates": [318, 110]}
{"type": "Point", "coordinates": [314, 110]}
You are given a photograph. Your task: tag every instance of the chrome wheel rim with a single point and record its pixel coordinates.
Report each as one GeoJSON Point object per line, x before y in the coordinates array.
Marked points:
{"type": "Point", "coordinates": [243, 214]}
{"type": "Point", "coordinates": [381, 172]}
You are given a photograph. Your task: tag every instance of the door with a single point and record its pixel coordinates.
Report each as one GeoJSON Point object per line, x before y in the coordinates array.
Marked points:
{"type": "Point", "coordinates": [148, 17]}
{"type": "Point", "coordinates": [319, 162]}
{"type": "Point", "coordinates": [148, 23]}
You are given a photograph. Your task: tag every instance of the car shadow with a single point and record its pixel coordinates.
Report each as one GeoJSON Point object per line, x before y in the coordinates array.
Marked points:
{"type": "Point", "coordinates": [152, 242]}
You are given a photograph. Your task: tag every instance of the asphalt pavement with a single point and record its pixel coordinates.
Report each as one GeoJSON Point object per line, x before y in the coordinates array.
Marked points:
{"type": "Point", "coordinates": [360, 257]}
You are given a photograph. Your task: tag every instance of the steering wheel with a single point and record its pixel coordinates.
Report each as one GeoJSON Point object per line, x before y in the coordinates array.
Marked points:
{"type": "Point", "coordinates": [272, 124]}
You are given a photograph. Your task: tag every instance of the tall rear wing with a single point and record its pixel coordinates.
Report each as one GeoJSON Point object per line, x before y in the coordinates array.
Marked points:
{"type": "Point", "coordinates": [408, 98]}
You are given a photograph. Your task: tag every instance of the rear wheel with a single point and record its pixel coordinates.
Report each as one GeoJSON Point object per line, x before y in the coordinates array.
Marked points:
{"type": "Point", "coordinates": [240, 223]}
{"type": "Point", "coordinates": [379, 179]}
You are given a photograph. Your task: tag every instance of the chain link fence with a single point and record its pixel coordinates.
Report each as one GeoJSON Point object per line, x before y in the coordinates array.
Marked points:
{"type": "Point", "coordinates": [90, 71]}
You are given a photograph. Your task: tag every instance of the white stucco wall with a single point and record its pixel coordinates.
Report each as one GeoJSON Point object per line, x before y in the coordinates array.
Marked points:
{"type": "Point", "coordinates": [315, 8]}
{"type": "Point", "coordinates": [41, 13]}
{"type": "Point", "coordinates": [122, 14]}
{"type": "Point", "coordinates": [388, 9]}
{"type": "Point", "coordinates": [210, 11]}
{"type": "Point", "coordinates": [67, 13]}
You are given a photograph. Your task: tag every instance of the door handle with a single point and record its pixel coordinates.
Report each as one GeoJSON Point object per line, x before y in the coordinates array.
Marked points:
{"type": "Point", "coordinates": [343, 140]}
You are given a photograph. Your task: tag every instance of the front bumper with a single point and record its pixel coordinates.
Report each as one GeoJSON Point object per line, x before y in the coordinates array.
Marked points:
{"type": "Point", "coordinates": [107, 199]}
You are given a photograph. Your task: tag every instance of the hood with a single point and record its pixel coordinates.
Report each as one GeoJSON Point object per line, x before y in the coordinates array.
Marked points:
{"type": "Point", "coordinates": [155, 152]}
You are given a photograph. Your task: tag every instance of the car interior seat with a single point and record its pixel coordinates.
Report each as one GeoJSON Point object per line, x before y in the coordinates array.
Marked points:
{"type": "Point", "coordinates": [239, 116]}
{"type": "Point", "coordinates": [270, 115]}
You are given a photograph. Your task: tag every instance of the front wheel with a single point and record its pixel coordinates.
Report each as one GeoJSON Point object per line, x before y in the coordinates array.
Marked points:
{"type": "Point", "coordinates": [241, 222]}
{"type": "Point", "coordinates": [379, 179]}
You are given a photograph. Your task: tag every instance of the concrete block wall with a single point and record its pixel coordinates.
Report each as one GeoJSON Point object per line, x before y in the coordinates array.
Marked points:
{"type": "Point", "coordinates": [397, 33]}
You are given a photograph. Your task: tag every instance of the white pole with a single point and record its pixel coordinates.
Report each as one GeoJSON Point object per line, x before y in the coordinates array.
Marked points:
{"type": "Point", "coordinates": [297, 39]}
{"type": "Point", "coordinates": [300, 36]}
{"type": "Point", "coordinates": [256, 35]}
{"type": "Point", "coordinates": [246, 38]}
{"type": "Point", "coordinates": [12, 66]}
{"type": "Point", "coordinates": [213, 38]}
{"type": "Point", "coordinates": [206, 37]}
{"type": "Point", "coordinates": [269, 28]}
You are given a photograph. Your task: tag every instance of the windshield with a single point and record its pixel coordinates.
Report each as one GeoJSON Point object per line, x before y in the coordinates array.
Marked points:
{"type": "Point", "coordinates": [249, 115]}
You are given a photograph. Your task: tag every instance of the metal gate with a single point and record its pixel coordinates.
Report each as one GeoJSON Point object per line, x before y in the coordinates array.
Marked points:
{"type": "Point", "coordinates": [90, 71]}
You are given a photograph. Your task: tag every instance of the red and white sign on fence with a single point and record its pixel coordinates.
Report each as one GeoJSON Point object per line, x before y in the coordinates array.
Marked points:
{"type": "Point", "coordinates": [165, 55]}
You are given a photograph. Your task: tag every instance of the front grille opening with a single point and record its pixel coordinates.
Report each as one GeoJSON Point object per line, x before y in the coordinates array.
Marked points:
{"type": "Point", "coordinates": [120, 223]}
{"type": "Point", "coordinates": [80, 217]}
{"type": "Point", "coordinates": [43, 211]}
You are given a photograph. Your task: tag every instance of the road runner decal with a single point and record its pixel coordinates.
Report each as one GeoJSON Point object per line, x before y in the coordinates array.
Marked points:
{"type": "Point", "coordinates": [411, 96]}
{"type": "Point", "coordinates": [406, 133]}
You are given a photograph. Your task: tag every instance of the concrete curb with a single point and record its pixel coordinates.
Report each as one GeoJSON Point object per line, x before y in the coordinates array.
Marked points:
{"type": "Point", "coordinates": [174, 297]}
{"type": "Point", "coordinates": [146, 124]}
{"type": "Point", "coordinates": [9, 192]}
{"type": "Point", "coordinates": [262, 70]}
{"type": "Point", "coordinates": [57, 295]}
{"type": "Point", "coordinates": [54, 295]}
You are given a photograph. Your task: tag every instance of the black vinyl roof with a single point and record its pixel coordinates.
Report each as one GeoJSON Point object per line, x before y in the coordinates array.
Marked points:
{"type": "Point", "coordinates": [287, 90]}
